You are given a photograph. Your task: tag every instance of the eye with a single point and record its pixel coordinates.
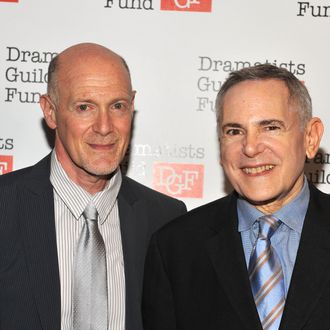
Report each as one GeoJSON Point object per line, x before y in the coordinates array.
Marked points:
{"type": "Point", "coordinates": [84, 110]}
{"type": "Point", "coordinates": [83, 107]}
{"type": "Point", "coordinates": [272, 128]}
{"type": "Point", "coordinates": [233, 131]}
{"type": "Point", "coordinates": [120, 107]}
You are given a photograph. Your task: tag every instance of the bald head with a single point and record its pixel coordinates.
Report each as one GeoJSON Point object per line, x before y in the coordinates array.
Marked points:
{"type": "Point", "coordinates": [82, 55]}
{"type": "Point", "coordinates": [90, 105]}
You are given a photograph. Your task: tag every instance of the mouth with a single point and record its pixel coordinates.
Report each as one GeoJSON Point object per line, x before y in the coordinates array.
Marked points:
{"type": "Point", "coordinates": [102, 147]}
{"type": "Point", "coordinates": [258, 170]}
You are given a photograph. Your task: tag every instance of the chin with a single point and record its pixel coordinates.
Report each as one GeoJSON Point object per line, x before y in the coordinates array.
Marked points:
{"type": "Point", "coordinates": [104, 170]}
{"type": "Point", "coordinates": [259, 200]}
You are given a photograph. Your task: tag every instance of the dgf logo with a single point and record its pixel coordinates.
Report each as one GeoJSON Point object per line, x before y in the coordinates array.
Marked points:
{"type": "Point", "coordinates": [186, 5]}
{"type": "Point", "coordinates": [6, 164]}
{"type": "Point", "coordinates": [179, 180]}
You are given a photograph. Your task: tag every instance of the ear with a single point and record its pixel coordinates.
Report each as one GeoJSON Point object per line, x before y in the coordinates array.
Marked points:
{"type": "Point", "coordinates": [48, 109]}
{"type": "Point", "coordinates": [313, 135]}
{"type": "Point", "coordinates": [133, 101]}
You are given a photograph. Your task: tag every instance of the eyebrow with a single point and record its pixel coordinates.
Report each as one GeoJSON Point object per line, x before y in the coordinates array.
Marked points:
{"type": "Point", "coordinates": [90, 100]}
{"type": "Point", "coordinates": [235, 125]}
{"type": "Point", "coordinates": [271, 122]}
{"type": "Point", "coordinates": [259, 123]}
{"type": "Point", "coordinates": [83, 100]}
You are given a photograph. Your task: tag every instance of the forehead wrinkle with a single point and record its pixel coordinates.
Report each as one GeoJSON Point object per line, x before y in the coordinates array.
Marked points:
{"type": "Point", "coordinates": [102, 94]}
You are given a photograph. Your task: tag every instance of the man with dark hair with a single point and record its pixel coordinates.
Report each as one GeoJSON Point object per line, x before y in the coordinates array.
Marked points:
{"type": "Point", "coordinates": [74, 230]}
{"type": "Point", "coordinates": [258, 258]}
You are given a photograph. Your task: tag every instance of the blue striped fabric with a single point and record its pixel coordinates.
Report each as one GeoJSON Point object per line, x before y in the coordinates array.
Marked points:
{"type": "Point", "coordinates": [266, 276]}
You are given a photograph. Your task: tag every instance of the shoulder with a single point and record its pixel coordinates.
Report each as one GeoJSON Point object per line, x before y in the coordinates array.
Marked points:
{"type": "Point", "coordinates": [136, 190]}
{"type": "Point", "coordinates": [318, 198]}
{"type": "Point", "coordinates": [209, 217]}
{"type": "Point", "coordinates": [13, 179]}
{"type": "Point", "coordinates": [155, 208]}
{"type": "Point", "coordinates": [186, 237]}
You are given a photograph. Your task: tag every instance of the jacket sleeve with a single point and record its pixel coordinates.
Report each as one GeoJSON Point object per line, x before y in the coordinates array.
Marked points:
{"type": "Point", "coordinates": [157, 304]}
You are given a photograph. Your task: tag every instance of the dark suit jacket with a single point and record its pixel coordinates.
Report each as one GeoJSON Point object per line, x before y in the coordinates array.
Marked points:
{"type": "Point", "coordinates": [196, 275]}
{"type": "Point", "coordinates": [29, 276]}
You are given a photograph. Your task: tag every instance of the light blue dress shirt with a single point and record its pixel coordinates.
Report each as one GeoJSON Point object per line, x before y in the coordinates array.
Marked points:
{"type": "Point", "coordinates": [285, 240]}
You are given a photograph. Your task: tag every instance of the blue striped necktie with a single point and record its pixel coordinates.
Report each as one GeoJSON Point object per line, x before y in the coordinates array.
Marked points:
{"type": "Point", "coordinates": [266, 275]}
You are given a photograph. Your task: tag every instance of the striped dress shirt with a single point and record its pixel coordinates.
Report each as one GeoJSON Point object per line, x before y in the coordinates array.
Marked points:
{"type": "Point", "coordinates": [70, 201]}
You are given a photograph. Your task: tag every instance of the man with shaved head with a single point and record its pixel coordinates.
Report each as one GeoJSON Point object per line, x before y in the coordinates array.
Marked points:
{"type": "Point", "coordinates": [73, 229]}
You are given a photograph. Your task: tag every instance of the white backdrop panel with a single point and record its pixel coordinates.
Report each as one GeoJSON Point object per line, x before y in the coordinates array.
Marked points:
{"type": "Point", "coordinates": [178, 60]}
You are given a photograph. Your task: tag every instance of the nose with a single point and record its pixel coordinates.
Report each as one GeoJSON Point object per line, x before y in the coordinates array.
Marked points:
{"type": "Point", "coordinates": [252, 145]}
{"type": "Point", "coordinates": [103, 124]}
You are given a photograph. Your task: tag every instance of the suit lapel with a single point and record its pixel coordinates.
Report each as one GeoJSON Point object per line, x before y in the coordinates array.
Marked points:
{"type": "Point", "coordinates": [37, 227]}
{"type": "Point", "coordinates": [312, 268]}
{"type": "Point", "coordinates": [134, 229]}
{"type": "Point", "coordinates": [227, 255]}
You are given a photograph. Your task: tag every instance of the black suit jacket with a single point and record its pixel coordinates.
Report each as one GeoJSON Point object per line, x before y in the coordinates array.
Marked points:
{"type": "Point", "coordinates": [196, 276]}
{"type": "Point", "coordinates": [29, 276]}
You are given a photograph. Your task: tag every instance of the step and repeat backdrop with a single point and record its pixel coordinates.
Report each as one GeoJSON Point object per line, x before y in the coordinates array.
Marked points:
{"type": "Point", "coordinates": [179, 53]}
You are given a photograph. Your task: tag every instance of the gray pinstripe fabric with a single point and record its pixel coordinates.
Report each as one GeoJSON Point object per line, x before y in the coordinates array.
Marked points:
{"type": "Point", "coordinates": [70, 201]}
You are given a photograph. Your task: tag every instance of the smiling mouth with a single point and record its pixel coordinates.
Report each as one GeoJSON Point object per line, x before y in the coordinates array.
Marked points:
{"type": "Point", "coordinates": [257, 170]}
{"type": "Point", "coordinates": [101, 147]}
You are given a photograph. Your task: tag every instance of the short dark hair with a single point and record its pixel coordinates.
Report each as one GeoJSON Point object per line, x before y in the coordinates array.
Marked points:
{"type": "Point", "coordinates": [298, 93]}
{"type": "Point", "coordinates": [52, 81]}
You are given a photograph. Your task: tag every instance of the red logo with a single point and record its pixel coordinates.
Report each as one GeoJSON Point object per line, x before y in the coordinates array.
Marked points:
{"type": "Point", "coordinates": [8, 0]}
{"type": "Point", "coordinates": [186, 5]}
{"type": "Point", "coordinates": [6, 164]}
{"type": "Point", "coordinates": [179, 180]}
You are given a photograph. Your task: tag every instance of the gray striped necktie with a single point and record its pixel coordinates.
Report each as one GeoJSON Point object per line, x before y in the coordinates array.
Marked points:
{"type": "Point", "coordinates": [266, 276]}
{"type": "Point", "coordinates": [90, 277]}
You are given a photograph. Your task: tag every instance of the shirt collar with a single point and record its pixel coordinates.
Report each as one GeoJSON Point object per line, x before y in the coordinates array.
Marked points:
{"type": "Point", "coordinates": [292, 214]}
{"type": "Point", "coordinates": [76, 198]}
{"type": "Point", "coordinates": [106, 199]}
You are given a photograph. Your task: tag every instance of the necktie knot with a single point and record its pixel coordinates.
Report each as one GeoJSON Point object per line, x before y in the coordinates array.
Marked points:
{"type": "Point", "coordinates": [90, 212]}
{"type": "Point", "coordinates": [268, 224]}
